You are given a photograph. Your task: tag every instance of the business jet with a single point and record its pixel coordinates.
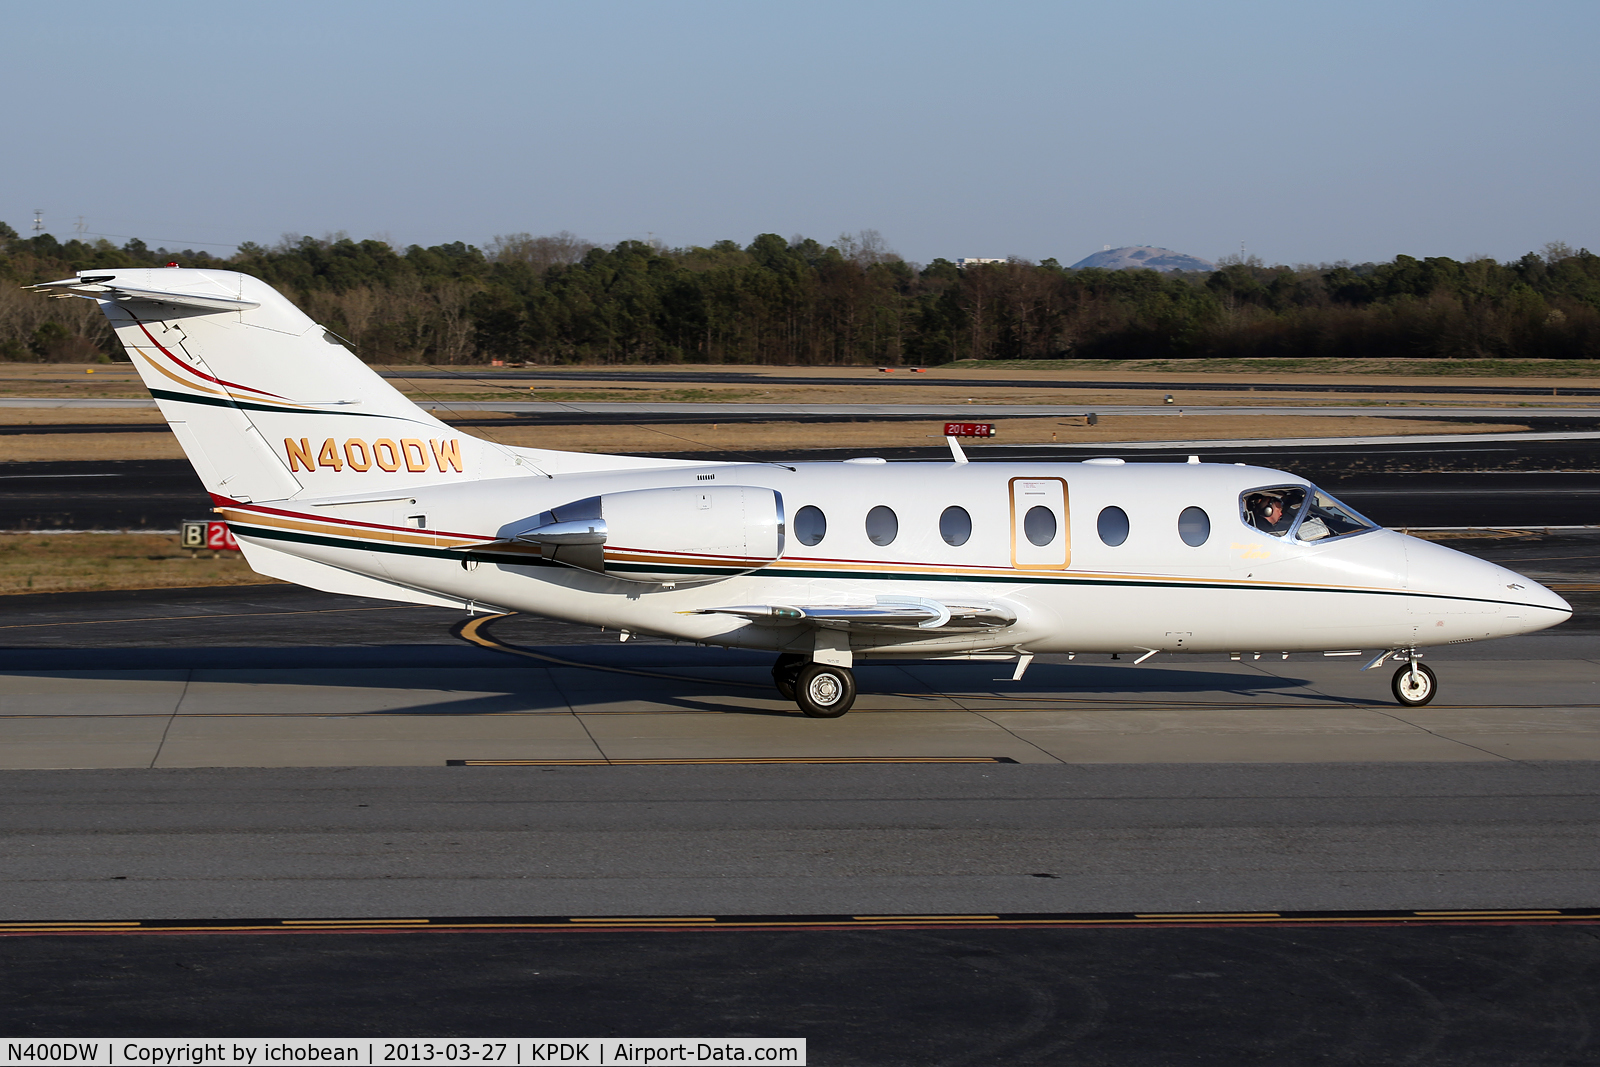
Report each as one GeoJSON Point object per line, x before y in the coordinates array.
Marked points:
{"type": "Point", "coordinates": [330, 478]}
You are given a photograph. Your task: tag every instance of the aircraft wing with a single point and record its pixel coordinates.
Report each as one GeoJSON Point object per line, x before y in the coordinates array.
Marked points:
{"type": "Point", "coordinates": [891, 612]}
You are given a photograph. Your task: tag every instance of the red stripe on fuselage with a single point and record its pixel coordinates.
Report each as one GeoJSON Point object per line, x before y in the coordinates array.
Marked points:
{"type": "Point", "coordinates": [336, 520]}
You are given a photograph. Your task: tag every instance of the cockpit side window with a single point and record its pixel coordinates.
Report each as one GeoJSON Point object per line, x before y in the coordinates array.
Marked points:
{"type": "Point", "coordinates": [1272, 510]}
{"type": "Point", "coordinates": [1327, 517]}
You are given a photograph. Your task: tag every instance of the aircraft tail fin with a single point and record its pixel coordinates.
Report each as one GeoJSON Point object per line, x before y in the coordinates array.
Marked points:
{"type": "Point", "coordinates": [270, 406]}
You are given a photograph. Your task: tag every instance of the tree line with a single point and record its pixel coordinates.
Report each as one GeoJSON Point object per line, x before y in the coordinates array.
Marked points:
{"type": "Point", "coordinates": [560, 299]}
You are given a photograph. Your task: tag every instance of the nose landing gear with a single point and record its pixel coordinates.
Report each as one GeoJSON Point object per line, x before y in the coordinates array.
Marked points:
{"type": "Point", "coordinates": [1414, 685]}
{"type": "Point", "coordinates": [822, 691]}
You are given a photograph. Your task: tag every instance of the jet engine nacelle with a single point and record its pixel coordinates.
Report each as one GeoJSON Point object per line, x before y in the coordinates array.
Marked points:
{"type": "Point", "coordinates": [693, 533]}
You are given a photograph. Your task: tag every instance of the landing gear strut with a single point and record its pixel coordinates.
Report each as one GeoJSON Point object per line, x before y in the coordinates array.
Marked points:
{"type": "Point", "coordinates": [786, 672]}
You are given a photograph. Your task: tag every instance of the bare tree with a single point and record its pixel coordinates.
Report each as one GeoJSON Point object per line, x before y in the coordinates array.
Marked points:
{"type": "Point", "coordinates": [540, 253]}
{"type": "Point", "coordinates": [22, 314]}
{"type": "Point", "coordinates": [1556, 251]}
{"type": "Point", "coordinates": [865, 248]}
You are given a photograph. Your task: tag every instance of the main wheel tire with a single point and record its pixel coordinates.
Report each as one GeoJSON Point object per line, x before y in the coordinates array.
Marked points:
{"type": "Point", "coordinates": [825, 692]}
{"type": "Point", "coordinates": [1413, 691]}
{"type": "Point", "coordinates": [786, 672]}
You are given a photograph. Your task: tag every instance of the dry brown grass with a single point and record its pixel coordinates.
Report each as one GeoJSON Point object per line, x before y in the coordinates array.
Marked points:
{"type": "Point", "coordinates": [70, 379]}
{"type": "Point", "coordinates": [799, 436]}
{"type": "Point", "coordinates": [945, 385]}
{"type": "Point", "coordinates": [75, 416]}
{"type": "Point", "coordinates": [24, 447]}
{"type": "Point", "coordinates": [58, 563]}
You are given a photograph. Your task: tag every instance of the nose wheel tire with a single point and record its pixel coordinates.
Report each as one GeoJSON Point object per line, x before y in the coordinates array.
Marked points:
{"type": "Point", "coordinates": [1414, 685]}
{"type": "Point", "coordinates": [824, 692]}
{"type": "Point", "coordinates": [786, 672]}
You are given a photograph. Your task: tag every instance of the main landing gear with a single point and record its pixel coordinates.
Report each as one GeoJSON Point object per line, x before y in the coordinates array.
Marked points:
{"type": "Point", "coordinates": [821, 690]}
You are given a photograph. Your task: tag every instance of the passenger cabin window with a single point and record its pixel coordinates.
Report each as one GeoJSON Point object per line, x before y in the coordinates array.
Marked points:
{"type": "Point", "coordinates": [1194, 526]}
{"type": "Point", "coordinates": [810, 525]}
{"type": "Point", "coordinates": [1113, 526]}
{"type": "Point", "coordinates": [1302, 512]}
{"type": "Point", "coordinates": [1039, 525]}
{"type": "Point", "coordinates": [955, 525]}
{"type": "Point", "coordinates": [882, 526]}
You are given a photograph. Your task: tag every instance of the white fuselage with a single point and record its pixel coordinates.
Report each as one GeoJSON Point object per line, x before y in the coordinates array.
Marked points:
{"type": "Point", "coordinates": [1239, 590]}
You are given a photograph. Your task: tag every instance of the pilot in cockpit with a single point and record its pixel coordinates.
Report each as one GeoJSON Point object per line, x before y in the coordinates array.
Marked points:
{"type": "Point", "coordinates": [1274, 511]}
{"type": "Point", "coordinates": [1268, 514]}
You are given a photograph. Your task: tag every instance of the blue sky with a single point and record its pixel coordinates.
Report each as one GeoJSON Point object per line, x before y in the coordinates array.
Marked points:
{"type": "Point", "coordinates": [1308, 131]}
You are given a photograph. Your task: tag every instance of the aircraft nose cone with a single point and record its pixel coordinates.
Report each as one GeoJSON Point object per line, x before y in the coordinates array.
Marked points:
{"type": "Point", "coordinates": [1457, 581]}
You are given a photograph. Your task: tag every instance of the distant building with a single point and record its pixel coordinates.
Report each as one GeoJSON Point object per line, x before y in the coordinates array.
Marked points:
{"type": "Point", "coordinates": [964, 263]}
{"type": "Point", "coordinates": [1143, 257]}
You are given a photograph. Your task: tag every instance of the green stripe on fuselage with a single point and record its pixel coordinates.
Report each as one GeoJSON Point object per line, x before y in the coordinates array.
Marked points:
{"type": "Point", "coordinates": [459, 554]}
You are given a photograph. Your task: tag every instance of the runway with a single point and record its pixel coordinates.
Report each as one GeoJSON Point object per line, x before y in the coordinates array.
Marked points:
{"type": "Point", "coordinates": [274, 754]}
{"type": "Point", "coordinates": [884, 840]}
{"type": "Point", "coordinates": [1482, 995]}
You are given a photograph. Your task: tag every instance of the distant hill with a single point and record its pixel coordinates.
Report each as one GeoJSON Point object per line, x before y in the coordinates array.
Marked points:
{"type": "Point", "coordinates": [1143, 257]}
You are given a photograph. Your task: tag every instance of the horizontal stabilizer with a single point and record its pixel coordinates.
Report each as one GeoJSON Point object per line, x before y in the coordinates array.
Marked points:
{"type": "Point", "coordinates": [97, 289]}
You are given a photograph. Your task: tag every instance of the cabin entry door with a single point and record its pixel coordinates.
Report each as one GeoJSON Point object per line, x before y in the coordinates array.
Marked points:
{"type": "Point", "coordinates": [1040, 536]}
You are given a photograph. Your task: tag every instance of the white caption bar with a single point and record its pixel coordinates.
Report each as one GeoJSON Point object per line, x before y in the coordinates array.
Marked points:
{"type": "Point", "coordinates": [523, 1052]}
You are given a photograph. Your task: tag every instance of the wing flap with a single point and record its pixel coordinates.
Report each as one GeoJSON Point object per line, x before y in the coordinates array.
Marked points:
{"type": "Point", "coordinates": [882, 612]}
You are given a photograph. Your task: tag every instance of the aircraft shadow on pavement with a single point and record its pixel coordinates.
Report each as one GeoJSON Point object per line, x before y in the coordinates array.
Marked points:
{"type": "Point", "coordinates": [1094, 677]}
{"type": "Point", "coordinates": [734, 686]}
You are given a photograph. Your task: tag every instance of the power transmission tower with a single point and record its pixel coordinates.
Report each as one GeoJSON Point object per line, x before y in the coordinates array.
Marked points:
{"type": "Point", "coordinates": [38, 220]}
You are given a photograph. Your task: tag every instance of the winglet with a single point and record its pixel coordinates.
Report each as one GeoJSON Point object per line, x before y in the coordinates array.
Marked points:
{"type": "Point", "coordinates": [955, 450]}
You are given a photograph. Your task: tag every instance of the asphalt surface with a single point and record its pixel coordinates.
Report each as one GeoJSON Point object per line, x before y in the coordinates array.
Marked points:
{"type": "Point", "coordinates": [1456, 482]}
{"type": "Point", "coordinates": [1468, 996]}
{"type": "Point", "coordinates": [502, 842]}
{"type": "Point", "coordinates": [904, 376]}
{"type": "Point", "coordinates": [769, 840]}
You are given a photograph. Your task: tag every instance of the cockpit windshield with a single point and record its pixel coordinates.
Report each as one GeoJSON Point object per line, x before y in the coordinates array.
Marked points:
{"type": "Point", "coordinates": [1304, 512]}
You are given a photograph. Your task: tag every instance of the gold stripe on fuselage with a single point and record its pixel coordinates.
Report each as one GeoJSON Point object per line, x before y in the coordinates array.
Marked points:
{"type": "Point", "coordinates": [887, 570]}
{"type": "Point", "coordinates": [385, 534]}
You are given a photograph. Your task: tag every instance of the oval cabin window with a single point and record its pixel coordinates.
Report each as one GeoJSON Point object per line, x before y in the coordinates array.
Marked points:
{"type": "Point", "coordinates": [955, 525]}
{"type": "Point", "coordinates": [1194, 526]}
{"type": "Point", "coordinates": [1039, 525]}
{"type": "Point", "coordinates": [1113, 526]}
{"type": "Point", "coordinates": [882, 526]}
{"type": "Point", "coordinates": [810, 524]}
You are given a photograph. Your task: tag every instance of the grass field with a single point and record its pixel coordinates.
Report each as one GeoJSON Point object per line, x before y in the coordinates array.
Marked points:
{"type": "Point", "coordinates": [59, 563]}
{"type": "Point", "coordinates": [1404, 368]}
